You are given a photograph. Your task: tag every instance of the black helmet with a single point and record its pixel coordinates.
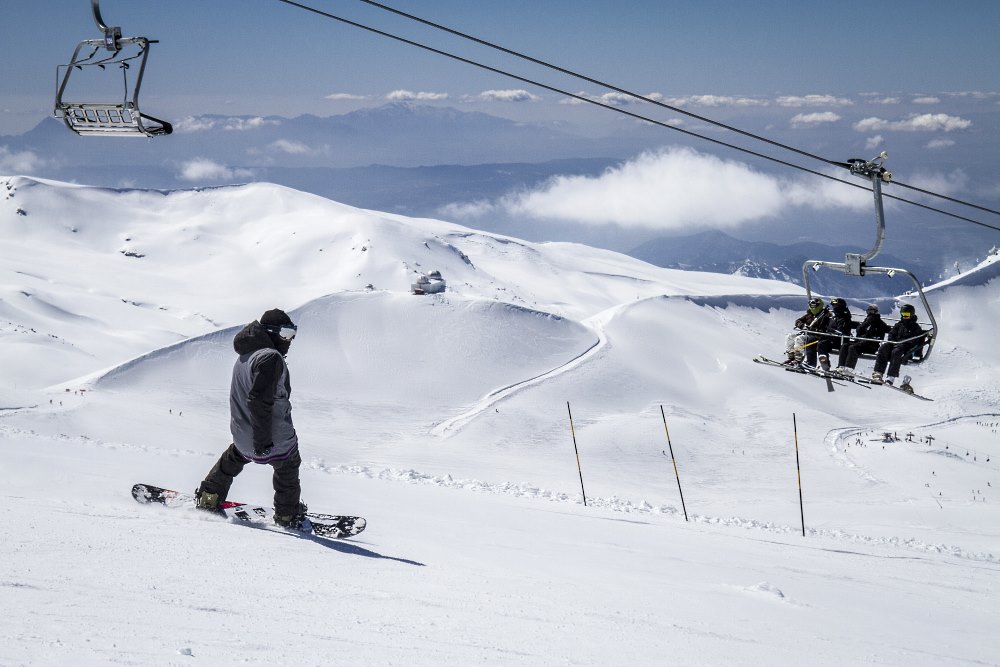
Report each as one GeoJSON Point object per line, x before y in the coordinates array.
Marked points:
{"type": "Point", "coordinates": [838, 304]}
{"type": "Point", "coordinates": [907, 312]}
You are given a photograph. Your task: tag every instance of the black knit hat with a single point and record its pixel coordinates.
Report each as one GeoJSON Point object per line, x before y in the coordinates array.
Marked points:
{"type": "Point", "coordinates": [275, 317]}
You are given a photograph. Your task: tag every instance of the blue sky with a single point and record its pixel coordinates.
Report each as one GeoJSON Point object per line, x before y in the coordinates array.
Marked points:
{"type": "Point", "coordinates": [262, 57]}
{"type": "Point", "coordinates": [842, 80]}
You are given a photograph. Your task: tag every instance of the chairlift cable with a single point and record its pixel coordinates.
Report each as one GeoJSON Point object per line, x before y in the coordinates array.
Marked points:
{"type": "Point", "coordinates": [946, 197]}
{"type": "Point", "coordinates": [588, 100]}
{"type": "Point", "coordinates": [644, 98]}
{"type": "Point", "coordinates": [597, 82]}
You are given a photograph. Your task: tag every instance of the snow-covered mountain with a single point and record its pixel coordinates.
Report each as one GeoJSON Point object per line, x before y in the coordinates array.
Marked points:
{"type": "Point", "coordinates": [443, 419]}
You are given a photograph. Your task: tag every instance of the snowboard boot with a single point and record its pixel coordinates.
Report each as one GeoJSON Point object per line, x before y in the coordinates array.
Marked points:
{"type": "Point", "coordinates": [876, 378]}
{"type": "Point", "coordinates": [890, 381]}
{"type": "Point", "coordinates": [208, 502]}
{"type": "Point", "coordinates": [297, 520]}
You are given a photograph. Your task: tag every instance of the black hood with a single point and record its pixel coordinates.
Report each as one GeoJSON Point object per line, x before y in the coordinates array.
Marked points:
{"type": "Point", "coordinates": [253, 337]}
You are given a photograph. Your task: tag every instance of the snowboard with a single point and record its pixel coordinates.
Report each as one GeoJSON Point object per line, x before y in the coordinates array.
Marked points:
{"type": "Point", "coordinates": [904, 388]}
{"type": "Point", "coordinates": [324, 525]}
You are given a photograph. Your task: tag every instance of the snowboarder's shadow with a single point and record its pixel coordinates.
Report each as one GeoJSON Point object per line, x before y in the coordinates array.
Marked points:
{"type": "Point", "coordinates": [341, 546]}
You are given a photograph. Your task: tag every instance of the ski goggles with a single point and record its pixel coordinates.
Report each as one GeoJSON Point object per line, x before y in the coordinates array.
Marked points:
{"type": "Point", "coordinates": [284, 332]}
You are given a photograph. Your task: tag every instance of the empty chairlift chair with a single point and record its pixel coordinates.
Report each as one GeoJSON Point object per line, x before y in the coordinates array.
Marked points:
{"type": "Point", "coordinates": [120, 117]}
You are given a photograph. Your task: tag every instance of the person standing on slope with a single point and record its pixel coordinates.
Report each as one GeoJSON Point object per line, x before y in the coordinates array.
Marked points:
{"type": "Point", "coordinates": [261, 419]}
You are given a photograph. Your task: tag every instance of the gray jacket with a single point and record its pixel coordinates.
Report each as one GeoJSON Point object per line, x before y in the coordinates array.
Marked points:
{"type": "Point", "coordinates": [259, 406]}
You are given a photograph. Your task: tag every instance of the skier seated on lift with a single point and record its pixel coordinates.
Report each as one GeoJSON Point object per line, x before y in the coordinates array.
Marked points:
{"type": "Point", "coordinates": [905, 338]}
{"type": "Point", "coordinates": [805, 338]}
{"type": "Point", "coordinates": [839, 328]}
{"type": "Point", "coordinates": [874, 328]}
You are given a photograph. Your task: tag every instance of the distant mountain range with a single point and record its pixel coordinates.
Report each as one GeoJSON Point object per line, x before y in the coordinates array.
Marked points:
{"type": "Point", "coordinates": [390, 158]}
{"type": "Point", "coordinates": [399, 134]}
{"type": "Point", "coordinates": [717, 252]}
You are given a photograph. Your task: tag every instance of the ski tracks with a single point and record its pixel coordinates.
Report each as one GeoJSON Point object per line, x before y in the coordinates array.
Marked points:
{"type": "Point", "coordinates": [597, 323]}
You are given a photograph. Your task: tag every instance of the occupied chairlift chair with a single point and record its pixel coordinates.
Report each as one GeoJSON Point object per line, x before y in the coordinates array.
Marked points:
{"type": "Point", "coordinates": [857, 264]}
{"type": "Point", "coordinates": [110, 119]}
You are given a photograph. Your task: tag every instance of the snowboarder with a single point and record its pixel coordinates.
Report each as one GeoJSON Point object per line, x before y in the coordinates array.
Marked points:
{"type": "Point", "coordinates": [804, 339]}
{"type": "Point", "coordinates": [905, 338]}
{"type": "Point", "coordinates": [873, 328]}
{"type": "Point", "coordinates": [261, 419]}
{"type": "Point", "coordinates": [839, 328]}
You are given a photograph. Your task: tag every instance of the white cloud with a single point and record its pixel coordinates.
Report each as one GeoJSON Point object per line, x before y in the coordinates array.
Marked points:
{"type": "Point", "coordinates": [871, 143]}
{"type": "Point", "coordinates": [467, 210]}
{"type": "Point", "coordinates": [928, 122]}
{"type": "Point", "coordinates": [879, 98]}
{"type": "Point", "coordinates": [24, 162]}
{"type": "Point", "coordinates": [813, 101]}
{"type": "Point", "coordinates": [715, 101]}
{"type": "Point", "coordinates": [290, 147]}
{"type": "Point", "coordinates": [953, 183]}
{"type": "Point", "coordinates": [243, 124]}
{"type": "Point", "coordinates": [336, 97]}
{"type": "Point", "coordinates": [670, 189]}
{"type": "Point", "coordinates": [676, 188]}
{"type": "Point", "coordinates": [228, 123]}
{"type": "Point", "coordinates": [203, 169]}
{"type": "Point", "coordinates": [612, 99]}
{"type": "Point", "coordinates": [927, 99]}
{"type": "Point", "coordinates": [813, 119]}
{"type": "Point", "coordinates": [507, 96]}
{"type": "Point", "coordinates": [410, 96]}
{"type": "Point", "coordinates": [936, 144]}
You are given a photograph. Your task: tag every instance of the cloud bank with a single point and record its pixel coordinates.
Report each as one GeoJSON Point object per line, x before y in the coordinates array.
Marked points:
{"type": "Point", "coordinates": [410, 96]}
{"type": "Point", "coordinates": [670, 189]}
{"type": "Point", "coordinates": [23, 162]}
{"type": "Point", "coordinates": [203, 169]}
{"type": "Point", "coordinates": [927, 122]}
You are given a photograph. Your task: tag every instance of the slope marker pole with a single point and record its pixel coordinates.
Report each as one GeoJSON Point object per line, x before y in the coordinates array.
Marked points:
{"type": "Point", "coordinates": [676, 474]}
{"type": "Point", "coordinates": [798, 470]}
{"type": "Point", "coordinates": [575, 449]}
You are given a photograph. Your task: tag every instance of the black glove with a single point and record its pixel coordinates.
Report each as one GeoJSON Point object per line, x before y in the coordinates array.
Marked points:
{"type": "Point", "coordinates": [263, 450]}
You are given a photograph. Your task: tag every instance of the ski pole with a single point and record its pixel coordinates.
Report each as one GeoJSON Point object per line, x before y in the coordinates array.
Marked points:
{"type": "Point", "coordinates": [798, 470]}
{"type": "Point", "coordinates": [575, 449]}
{"type": "Point", "coordinates": [676, 474]}
{"type": "Point", "coordinates": [802, 347]}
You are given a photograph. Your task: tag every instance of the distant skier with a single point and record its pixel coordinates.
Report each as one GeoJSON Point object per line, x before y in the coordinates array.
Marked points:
{"type": "Point", "coordinates": [805, 338]}
{"type": "Point", "coordinates": [874, 329]}
{"type": "Point", "coordinates": [261, 419]}
{"type": "Point", "coordinates": [840, 326]}
{"type": "Point", "coordinates": [905, 338]}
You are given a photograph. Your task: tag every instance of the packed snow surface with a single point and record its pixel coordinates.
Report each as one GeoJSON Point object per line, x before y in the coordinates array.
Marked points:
{"type": "Point", "coordinates": [445, 421]}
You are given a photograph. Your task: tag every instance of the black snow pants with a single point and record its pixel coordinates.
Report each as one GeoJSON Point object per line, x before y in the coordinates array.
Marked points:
{"type": "Point", "coordinates": [893, 355]}
{"type": "Point", "coordinates": [287, 490]}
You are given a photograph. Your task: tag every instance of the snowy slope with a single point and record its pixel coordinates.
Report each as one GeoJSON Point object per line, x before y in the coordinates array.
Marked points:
{"type": "Point", "coordinates": [443, 420]}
